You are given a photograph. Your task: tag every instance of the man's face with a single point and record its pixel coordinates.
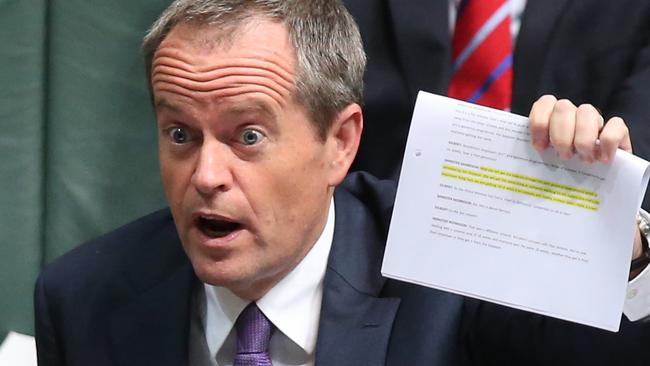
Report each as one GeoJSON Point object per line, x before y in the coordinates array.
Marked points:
{"type": "Point", "coordinates": [247, 179]}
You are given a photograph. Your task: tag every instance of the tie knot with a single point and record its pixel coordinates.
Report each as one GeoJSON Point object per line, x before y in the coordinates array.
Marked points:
{"type": "Point", "coordinates": [253, 331]}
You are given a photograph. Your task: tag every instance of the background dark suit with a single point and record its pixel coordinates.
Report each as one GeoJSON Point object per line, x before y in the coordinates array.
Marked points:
{"type": "Point", "coordinates": [589, 51]}
{"type": "Point", "coordinates": [125, 299]}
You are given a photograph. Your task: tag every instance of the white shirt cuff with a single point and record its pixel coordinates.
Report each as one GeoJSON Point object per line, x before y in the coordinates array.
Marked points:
{"type": "Point", "coordinates": [637, 302]}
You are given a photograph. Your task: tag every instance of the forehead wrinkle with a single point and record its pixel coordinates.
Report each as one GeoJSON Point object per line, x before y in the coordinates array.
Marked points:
{"type": "Point", "coordinates": [220, 89]}
{"type": "Point", "coordinates": [186, 65]}
{"type": "Point", "coordinates": [267, 60]}
{"type": "Point", "coordinates": [233, 91]}
{"type": "Point", "coordinates": [172, 57]}
{"type": "Point", "coordinates": [244, 107]}
{"type": "Point", "coordinates": [223, 75]}
{"type": "Point", "coordinates": [237, 66]}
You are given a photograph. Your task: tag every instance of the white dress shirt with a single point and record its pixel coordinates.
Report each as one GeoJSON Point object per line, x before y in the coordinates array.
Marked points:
{"type": "Point", "coordinates": [637, 302]}
{"type": "Point", "coordinates": [293, 306]}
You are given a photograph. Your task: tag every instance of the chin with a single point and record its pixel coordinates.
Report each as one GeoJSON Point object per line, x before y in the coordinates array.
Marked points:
{"type": "Point", "coordinates": [212, 273]}
{"type": "Point", "coordinates": [219, 273]}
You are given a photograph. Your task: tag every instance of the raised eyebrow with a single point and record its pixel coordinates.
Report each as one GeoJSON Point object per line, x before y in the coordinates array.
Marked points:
{"type": "Point", "coordinates": [163, 103]}
{"type": "Point", "coordinates": [251, 108]}
{"type": "Point", "coordinates": [259, 108]}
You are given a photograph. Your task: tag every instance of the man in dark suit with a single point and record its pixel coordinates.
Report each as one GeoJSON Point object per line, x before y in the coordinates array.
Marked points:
{"type": "Point", "coordinates": [590, 51]}
{"type": "Point", "coordinates": [259, 121]}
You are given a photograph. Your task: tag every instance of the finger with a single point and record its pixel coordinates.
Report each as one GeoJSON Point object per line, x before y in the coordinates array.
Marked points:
{"type": "Point", "coordinates": [562, 126]}
{"type": "Point", "coordinates": [538, 118]}
{"type": "Point", "coordinates": [588, 125]}
{"type": "Point", "coordinates": [614, 135]}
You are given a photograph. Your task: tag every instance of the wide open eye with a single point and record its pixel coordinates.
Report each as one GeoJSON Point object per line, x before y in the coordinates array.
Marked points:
{"type": "Point", "coordinates": [251, 137]}
{"type": "Point", "coordinates": [179, 135]}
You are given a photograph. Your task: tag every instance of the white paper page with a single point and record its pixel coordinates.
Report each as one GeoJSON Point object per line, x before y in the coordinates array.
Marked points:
{"type": "Point", "coordinates": [18, 350]}
{"type": "Point", "coordinates": [480, 213]}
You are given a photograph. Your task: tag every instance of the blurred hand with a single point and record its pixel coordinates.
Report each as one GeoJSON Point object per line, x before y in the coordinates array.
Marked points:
{"type": "Point", "coordinates": [581, 131]}
{"type": "Point", "coordinates": [572, 130]}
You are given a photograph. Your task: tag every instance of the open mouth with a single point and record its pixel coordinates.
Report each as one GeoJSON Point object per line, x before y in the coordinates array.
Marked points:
{"type": "Point", "coordinates": [216, 228]}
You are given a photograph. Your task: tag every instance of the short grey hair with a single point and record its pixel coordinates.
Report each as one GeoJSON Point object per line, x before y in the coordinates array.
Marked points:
{"type": "Point", "coordinates": [329, 50]}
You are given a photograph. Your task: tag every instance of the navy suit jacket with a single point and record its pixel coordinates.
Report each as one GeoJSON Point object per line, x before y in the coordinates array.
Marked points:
{"type": "Point", "coordinates": [125, 299]}
{"type": "Point", "coordinates": [589, 51]}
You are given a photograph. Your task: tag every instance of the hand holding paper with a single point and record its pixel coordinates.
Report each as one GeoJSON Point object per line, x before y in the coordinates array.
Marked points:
{"type": "Point", "coordinates": [579, 131]}
{"type": "Point", "coordinates": [480, 212]}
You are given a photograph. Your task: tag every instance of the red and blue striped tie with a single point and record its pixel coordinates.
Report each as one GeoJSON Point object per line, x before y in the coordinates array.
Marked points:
{"type": "Point", "coordinates": [482, 54]}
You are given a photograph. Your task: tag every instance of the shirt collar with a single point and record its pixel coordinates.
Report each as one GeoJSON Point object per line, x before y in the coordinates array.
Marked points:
{"type": "Point", "coordinates": [293, 305]}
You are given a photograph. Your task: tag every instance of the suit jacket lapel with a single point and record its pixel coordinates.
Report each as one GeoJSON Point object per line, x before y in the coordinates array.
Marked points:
{"type": "Point", "coordinates": [423, 44]}
{"type": "Point", "coordinates": [355, 327]}
{"type": "Point", "coordinates": [355, 324]}
{"type": "Point", "coordinates": [538, 22]}
{"type": "Point", "coordinates": [152, 328]}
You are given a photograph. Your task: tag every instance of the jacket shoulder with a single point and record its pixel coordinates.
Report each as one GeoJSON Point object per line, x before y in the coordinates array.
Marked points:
{"type": "Point", "coordinates": [375, 195]}
{"type": "Point", "coordinates": [99, 264]}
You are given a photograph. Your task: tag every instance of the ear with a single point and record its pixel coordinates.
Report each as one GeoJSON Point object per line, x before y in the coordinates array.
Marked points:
{"type": "Point", "coordinates": [343, 142]}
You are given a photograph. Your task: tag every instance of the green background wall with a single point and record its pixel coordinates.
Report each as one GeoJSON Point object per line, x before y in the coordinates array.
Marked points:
{"type": "Point", "coordinates": [77, 134]}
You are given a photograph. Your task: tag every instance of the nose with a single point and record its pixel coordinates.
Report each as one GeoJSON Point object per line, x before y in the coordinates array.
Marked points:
{"type": "Point", "coordinates": [213, 171]}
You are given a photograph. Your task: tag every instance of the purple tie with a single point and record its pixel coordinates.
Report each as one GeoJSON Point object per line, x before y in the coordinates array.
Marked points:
{"type": "Point", "coordinates": [253, 335]}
